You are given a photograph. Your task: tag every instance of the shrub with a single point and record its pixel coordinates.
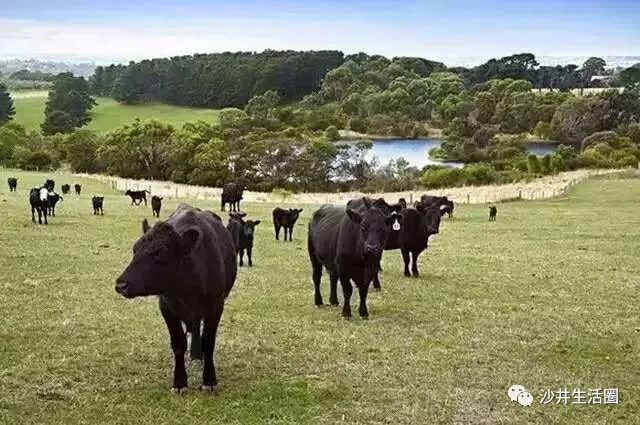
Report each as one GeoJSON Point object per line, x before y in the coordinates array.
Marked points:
{"type": "Point", "coordinates": [542, 130]}
{"type": "Point", "coordinates": [332, 134]}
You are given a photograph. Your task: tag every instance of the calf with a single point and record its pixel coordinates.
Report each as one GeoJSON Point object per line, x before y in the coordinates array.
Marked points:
{"type": "Point", "coordinates": [97, 202]}
{"type": "Point", "coordinates": [50, 185]}
{"type": "Point", "coordinates": [417, 225]}
{"type": "Point", "coordinates": [137, 196]}
{"type": "Point", "coordinates": [189, 262]}
{"type": "Point", "coordinates": [493, 212]}
{"type": "Point", "coordinates": [78, 188]}
{"type": "Point", "coordinates": [39, 200]}
{"type": "Point", "coordinates": [348, 243]}
{"type": "Point", "coordinates": [232, 195]}
{"type": "Point", "coordinates": [285, 219]}
{"type": "Point", "coordinates": [13, 184]}
{"type": "Point", "coordinates": [246, 241]}
{"type": "Point", "coordinates": [65, 189]}
{"type": "Point", "coordinates": [156, 205]}
{"type": "Point", "coordinates": [53, 200]}
{"type": "Point", "coordinates": [234, 226]}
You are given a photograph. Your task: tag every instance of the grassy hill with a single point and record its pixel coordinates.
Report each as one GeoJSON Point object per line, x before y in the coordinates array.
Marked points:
{"type": "Point", "coordinates": [108, 114]}
{"type": "Point", "coordinates": [546, 297]}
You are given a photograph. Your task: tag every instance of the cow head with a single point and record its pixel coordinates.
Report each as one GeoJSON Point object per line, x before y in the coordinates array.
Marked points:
{"type": "Point", "coordinates": [294, 213]}
{"type": "Point", "coordinates": [157, 261]}
{"type": "Point", "coordinates": [249, 228]}
{"type": "Point", "coordinates": [429, 219]}
{"type": "Point", "coordinates": [374, 228]}
{"type": "Point", "coordinates": [128, 192]}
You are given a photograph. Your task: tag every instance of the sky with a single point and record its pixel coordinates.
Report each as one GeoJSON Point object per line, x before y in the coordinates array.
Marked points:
{"type": "Point", "coordinates": [450, 31]}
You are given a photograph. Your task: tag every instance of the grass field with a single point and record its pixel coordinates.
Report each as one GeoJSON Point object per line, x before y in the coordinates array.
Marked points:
{"type": "Point", "coordinates": [108, 114]}
{"type": "Point", "coordinates": [546, 297]}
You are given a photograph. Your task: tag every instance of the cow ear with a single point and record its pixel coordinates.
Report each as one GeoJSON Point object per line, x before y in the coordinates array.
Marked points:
{"type": "Point", "coordinates": [189, 239]}
{"type": "Point", "coordinates": [242, 214]}
{"type": "Point", "coordinates": [354, 215]}
{"type": "Point", "coordinates": [300, 210]}
{"type": "Point", "coordinates": [255, 223]}
{"type": "Point", "coordinates": [145, 226]}
{"type": "Point", "coordinates": [367, 202]}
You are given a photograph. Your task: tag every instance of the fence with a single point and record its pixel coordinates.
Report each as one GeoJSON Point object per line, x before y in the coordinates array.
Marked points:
{"type": "Point", "coordinates": [543, 188]}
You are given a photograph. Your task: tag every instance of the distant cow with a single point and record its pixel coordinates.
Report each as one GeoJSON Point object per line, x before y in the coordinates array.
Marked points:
{"type": "Point", "coordinates": [13, 184]}
{"type": "Point", "coordinates": [53, 200]}
{"type": "Point", "coordinates": [156, 205]}
{"type": "Point", "coordinates": [97, 202]}
{"type": "Point", "coordinates": [232, 195]}
{"type": "Point", "coordinates": [189, 262]}
{"type": "Point", "coordinates": [234, 226]}
{"type": "Point", "coordinates": [246, 241]}
{"type": "Point", "coordinates": [348, 243]}
{"type": "Point", "coordinates": [78, 188]}
{"type": "Point", "coordinates": [417, 226]}
{"type": "Point", "coordinates": [65, 189]}
{"type": "Point", "coordinates": [137, 196]}
{"type": "Point", "coordinates": [50, 185]}
{"type": "Point", "coordinates": [285, 219]}
{"type": "Point", "coordinates": [39, 200]}
{"type": "Point", "coordinates": [493, 212]}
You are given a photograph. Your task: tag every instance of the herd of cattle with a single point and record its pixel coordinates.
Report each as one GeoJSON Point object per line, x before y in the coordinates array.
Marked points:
{"type": "Point", "coordinates": [190, 260]}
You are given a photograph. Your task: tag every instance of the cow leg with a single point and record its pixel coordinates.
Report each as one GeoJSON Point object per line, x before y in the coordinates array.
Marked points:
{"type": "Point", "coordinates": [179, 347]}
{"type": "Point", "coordinates": [222, 206]}
{"type": "Point", "coordinates": [407, 259]}
{"type": "Point", "coordinates": [414, 266]}
{"type": "Point", "coordinates": [33, 214]}
{"type": "Point", "coordinates": [333, 284]}
{"type": "Point", "coordinates": [290, 234]}
{"type": "Point", "coordinates": [376, 282]}
{"type": "Point", "coordinates": [249, 252]}
{"type": "Point", "coordinates": [363, 290]}
{"type": "Point", "coordinates": [195, 350]}
{"type": "Point", "coordinates": [277, 229]}
{"type": "Point", "coordinates": [347, 290]}
{"type": "Point", "coordinates": [145, 201]}
{"type": "Point", "coordinates": [44, 212]}
{"type": "Point", "coordinates": [209, 379]}
{"type": "Point", "coordinates": [241, 255]}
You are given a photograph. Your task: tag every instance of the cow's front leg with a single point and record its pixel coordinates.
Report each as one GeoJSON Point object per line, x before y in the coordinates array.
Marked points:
{"type": "Point", "coordinates": [363, 290]}
{"type": "Point", "coordinates": [406, 258]}
{"type": "Point", "coordinates": [179, 347]}
{"type": "Point", "coordinates": [333, 288]}
{"type": "Point", "coordinates": [209, 378]}
{"type": "Point", "coordinates": [347, 290]}
{"type": "Point", "coordinates": [414, 266]}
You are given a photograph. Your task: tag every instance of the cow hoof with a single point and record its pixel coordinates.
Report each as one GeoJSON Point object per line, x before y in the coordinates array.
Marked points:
{"type": "Point", "coordinates": [209, 388]}
{"type": "Point", "coordinates": [364, 317]}
{"type": "Point", "coordinates": [176, 390]}
{"type": "Point", "coordinates": [416, 274]}
{"type": "Point", "coordinates": [335, 304]}
{"type": "Point", "coordinates": [407, 274]}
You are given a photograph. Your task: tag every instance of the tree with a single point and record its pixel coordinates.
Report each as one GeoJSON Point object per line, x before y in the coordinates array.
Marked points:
{"type": "Point", "coordinates": [7, 111]}
{"type": "Point", "coordinates": [81, 151]}
{"type": "Point", "coordinates": [577, 118]}
{"type": "Point", "coordinates": [592, 67]}
{"type": "Point", "coordinates": [68, 106]}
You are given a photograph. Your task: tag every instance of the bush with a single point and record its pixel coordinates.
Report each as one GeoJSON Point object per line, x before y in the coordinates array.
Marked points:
{"type": "Point", "coordinates": [610, 138]}
{"type": "Point", "coordinates": [358, 124]}
{"type": "Point", "coordinates": [332, 134]}
{"type": "Point", "coordinates": [437, 177]}
{"type": "Point", "coordinates": [542, 130]}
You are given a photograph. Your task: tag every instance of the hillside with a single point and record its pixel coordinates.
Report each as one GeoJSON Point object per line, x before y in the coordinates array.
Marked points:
{"type": "Point", "coordinates": [108, 114]}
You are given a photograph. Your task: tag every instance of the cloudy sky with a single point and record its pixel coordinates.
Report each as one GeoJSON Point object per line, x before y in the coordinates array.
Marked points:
{"type": "Point", "coordinates": [440, 29]}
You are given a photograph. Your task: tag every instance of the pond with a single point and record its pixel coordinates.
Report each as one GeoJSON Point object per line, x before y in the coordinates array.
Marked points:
{"type": "Point", "coordinates": [416, 151]}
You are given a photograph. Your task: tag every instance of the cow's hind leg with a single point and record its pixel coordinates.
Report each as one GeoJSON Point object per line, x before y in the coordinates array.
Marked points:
{"type": "Point", "coordinates": [316, 274]}
{"type": "Point", "coordinates": [33, 214]}
{"type": "Point", "coordinates": [195, 350]}
{"type": "Point", "coordinates": [333, 283]}
{"type": "Point", "coordinates": [209, 379]}
{"type": "Point", "coordinates": [179, 347]}
{"type": "Point", "coordinates": [277, 230]}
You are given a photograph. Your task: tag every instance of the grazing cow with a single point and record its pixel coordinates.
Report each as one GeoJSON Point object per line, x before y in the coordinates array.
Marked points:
{"type": "Point", "coordinates": [287, 219]}
{"type": "Point", "coordinates": [97, 202]}
{"type": "Point", "coordinates": [348, 243]}
{"type": "Point", "coordinates": [417, 225]}
{"type": "Point", "coordinates": [13, 184]}
{"type": "Point", "coordinates": [65, 189]}
{"type": "Point", "coordinates": [234, 226]}
{"type": "Point", "coordinates": [137, 196]}
{"type": "Point", "coordinates": [232, 195]}
{"type": "Point", "coordinates": [493, 212]}
{"type": "Point", "coordinates": [50, 185]}
{"type": "Point", "coordinates": [53, 200]}
{"type": "Point", "coordinates": [156, 204]}
{"type": "Point", "coordinates": [78, 188]}
{"type": "Point", "coordinates": [189, 262]}
{"type": "Point", "coordinates": [39, 200]}
{"type": "Point", "coordinates": [246, 241]}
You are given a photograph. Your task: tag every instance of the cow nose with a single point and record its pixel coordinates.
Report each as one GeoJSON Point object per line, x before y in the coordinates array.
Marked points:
{"type": "Point", "coordinates": [122, 286]}
{"type": "Point", "coordinates": [372, 249]}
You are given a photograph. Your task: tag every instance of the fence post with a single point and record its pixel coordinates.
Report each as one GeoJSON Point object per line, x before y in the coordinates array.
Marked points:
{"type": "Point", "coordinates": [411, 198]}
{"type": "Point", "coordinates": [520, 194]}
{"type": "Point", "coordinates": [468, 198]}
{"type": "Point", "coordinates": [176, 192]}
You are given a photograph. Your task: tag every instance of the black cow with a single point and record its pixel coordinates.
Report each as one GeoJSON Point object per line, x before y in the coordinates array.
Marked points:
{"type": "Point", "coordinates": [493, 212]}
{"type": "Point", "coordinates": [13, 184]}
{"type": "Point", "coordinates": [234, 226]}
{"type": "Point", "coordinates": [65, 189]}
{"type": "Point", "coordinates": [349, 244]}
{"type": "Point", "coordinates": [232, 195]}
{"type": "Point", "coordinates": [39, 200]}
{"type": "Point", "coordinates": [97, 202]}
{"type": "Point", "coordinates": [50, 185]}
{"type": "Point", "coordinates": [53, 200]}
{"type": "Point", "coordinates": [445, 205]}
{"type": "Point", "coordinates": [287, 219]}
{"type": "Point", "coordinates": [402, 202]}
{"type": "Point", "coordinates": [137, 196]}
{"type": "Point", "coordinates": [246, 241]}
{"type": "Point", "coordinates": [156, 205]}
{"type": "Point", "coordinates": [78, 188]}
{"type": "Point", "coordinates": [417, 225]}
{"type": "Point", "coordinates": [189, 262]}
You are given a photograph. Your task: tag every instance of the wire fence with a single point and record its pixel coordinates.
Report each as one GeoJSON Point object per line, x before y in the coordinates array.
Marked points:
{"type": "Point", "coordinates": [542, 188]}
